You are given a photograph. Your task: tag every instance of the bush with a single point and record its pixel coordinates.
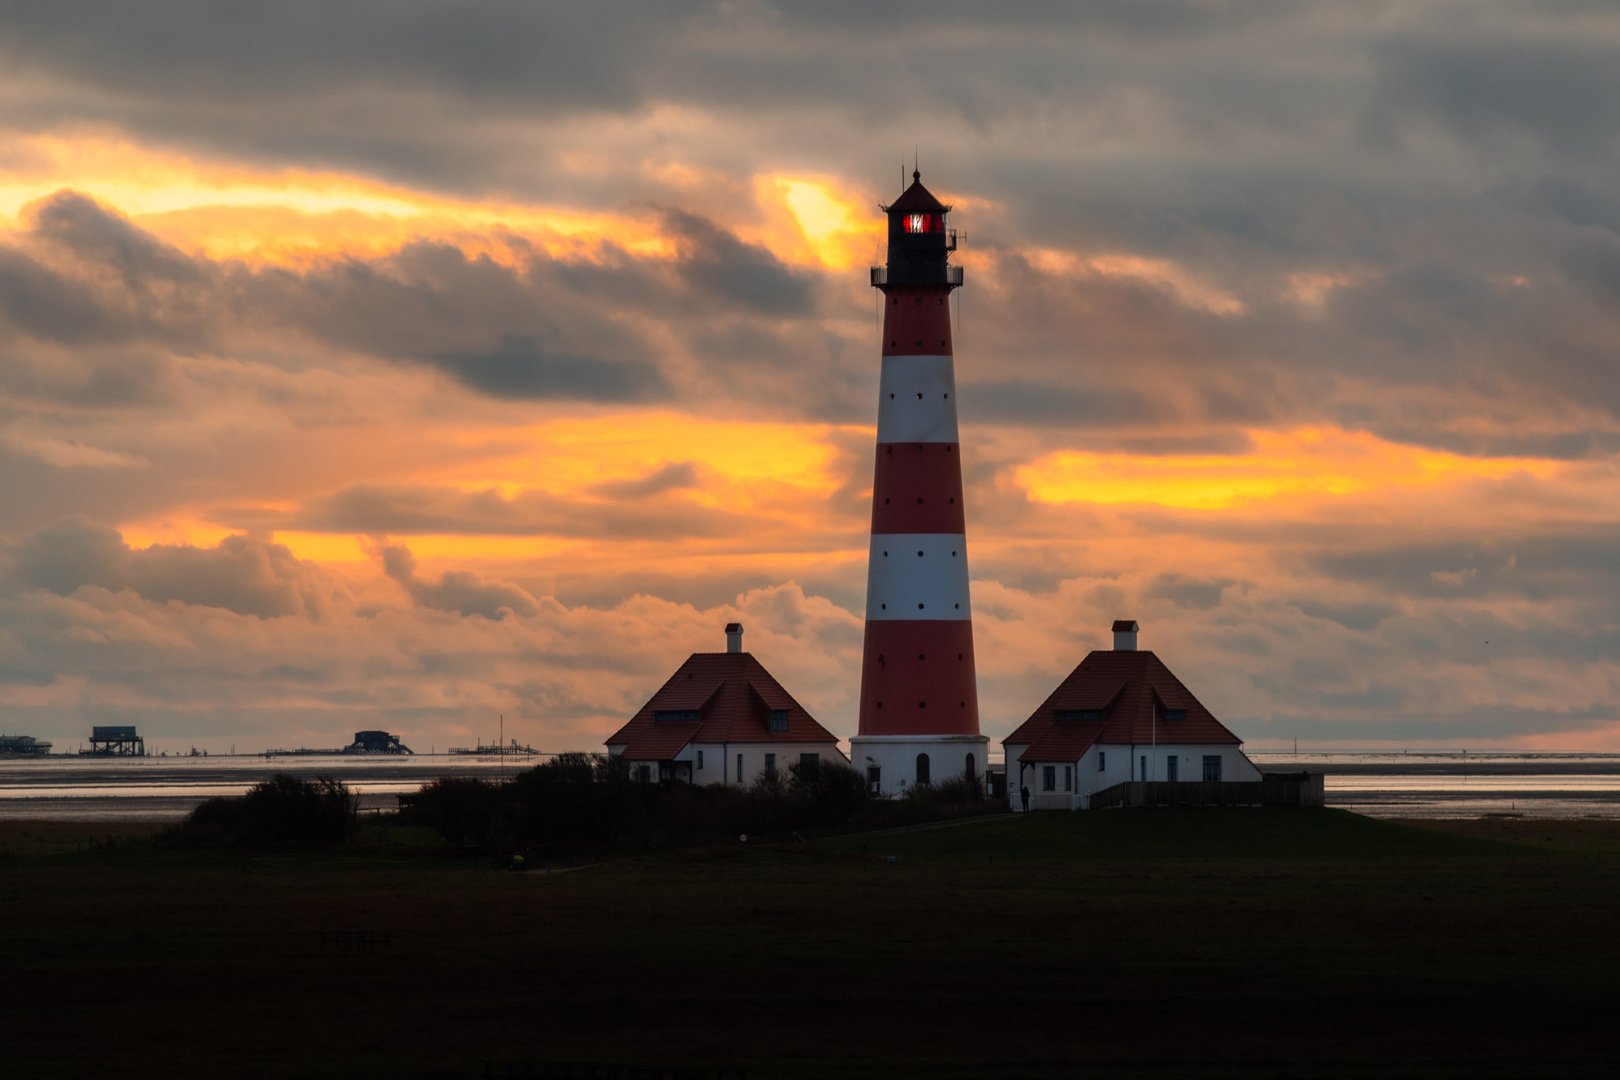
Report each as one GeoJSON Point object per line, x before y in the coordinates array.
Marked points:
{"type": "Point", "coordinates": [463, 810]}
{"type": "Point", "coordinates": [580, 803]}
{"type": "Point", "coordinates": [283, 811]}
{"type": "Point", "coordinates": [830, 793]}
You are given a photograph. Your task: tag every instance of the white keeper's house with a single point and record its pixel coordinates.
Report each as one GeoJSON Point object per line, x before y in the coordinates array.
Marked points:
{"type": "Point", "coordinates": [721, 719]}
{"type": "Point", "coordinates": [1120, 716]}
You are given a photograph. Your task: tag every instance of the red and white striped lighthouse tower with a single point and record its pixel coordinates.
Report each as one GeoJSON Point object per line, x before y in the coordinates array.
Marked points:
{"type": "Point", "coordinates": [919, 713]}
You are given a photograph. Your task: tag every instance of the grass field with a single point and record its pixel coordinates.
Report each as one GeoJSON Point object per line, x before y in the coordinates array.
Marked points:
{"type": "Point", "coordinates": [1146, 943]}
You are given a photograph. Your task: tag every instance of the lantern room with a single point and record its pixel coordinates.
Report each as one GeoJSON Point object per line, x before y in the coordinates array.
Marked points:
{"type": "Point", "coordinates": [919, 241]}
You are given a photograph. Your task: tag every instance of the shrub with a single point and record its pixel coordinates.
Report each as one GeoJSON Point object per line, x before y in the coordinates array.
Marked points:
{"type": "Point", "coordinates": [283, 811]}
{"type": "Point", "coordinates": [464, 810]}
{"type": "Point", "coordinates": [830, 793]}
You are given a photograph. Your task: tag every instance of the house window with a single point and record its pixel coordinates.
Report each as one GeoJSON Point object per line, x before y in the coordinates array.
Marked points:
{"type": "Point", "coordinates": [770, 765]}
{"type": "Point", "coordinates": [666, 716]}
{"type": "Point", "coordinates": [1175, 714]}
{"type": "Point", "coordinates": [1144, 768]}
{"type": "Point", "coordinates": [778, 720]}
{"type": "Point", "coordinates": [1102, 761]}
{"type": "Point", "coordinates": [809, 761]}
{"type": "Point", "coordinates": [922, 768]}
{"type": "Point", "coordinates": [700, 759]}
{"type": "Point", "coordinates": [1048, 777]}
{"type": "Point", "coordinates": [1068, 778]}
{"type": "Point", "coordinates": [1172, 768]}
{"type": "Point", "coordinates": [1212, 768]}
{"type": "Point", "coordinates": [644, 773]}
{"type": "Point", "coordinates": [739, 769]}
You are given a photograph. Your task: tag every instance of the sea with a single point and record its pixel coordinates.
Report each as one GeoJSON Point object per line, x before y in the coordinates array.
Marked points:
{"type": "Point", "coordinates": [63, 787]}
{"type": "Point", "coordinates": [1413, 784]}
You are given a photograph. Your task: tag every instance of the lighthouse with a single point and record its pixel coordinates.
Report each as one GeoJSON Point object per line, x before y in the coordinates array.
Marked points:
{"type": "Point", "coordinates": [919, 707]}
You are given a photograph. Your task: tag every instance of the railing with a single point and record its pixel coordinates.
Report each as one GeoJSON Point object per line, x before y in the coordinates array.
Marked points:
{"type": "Point", "coordinates": [909, 275]}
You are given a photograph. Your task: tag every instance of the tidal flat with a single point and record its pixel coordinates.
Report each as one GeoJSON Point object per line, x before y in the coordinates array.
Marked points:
{"type": "Point", "coordinates": [1254, 943]}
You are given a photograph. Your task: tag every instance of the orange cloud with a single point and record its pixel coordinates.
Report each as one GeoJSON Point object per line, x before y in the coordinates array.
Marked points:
{"type": "Point", "coordinates": [740, 460]}
{"type": "Point", "coordinates": [1304, 462]}
{"type": "Point", "coordinates": [816, 221]}
{"type": "Point", "coordinates": [230, 210]}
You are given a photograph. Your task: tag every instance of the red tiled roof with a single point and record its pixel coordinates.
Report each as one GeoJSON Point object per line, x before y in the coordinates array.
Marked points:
{"type": "Point", "coordinates": [733, 695]}
{"type": "Point", "coordinates": [1063, 742]}
{"type": "Point", "coordinates": [1136, 685]}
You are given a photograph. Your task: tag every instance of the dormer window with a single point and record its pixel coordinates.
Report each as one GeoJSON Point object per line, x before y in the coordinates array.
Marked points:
{"type": "Point", "coordinates": [1175, 714]}
{"type": "Point", "coordinates": [1079, 714]}
{"type": "Point", "coordinates": [778, 720]}
{"type": "Point", "coordinates": [670, 716]}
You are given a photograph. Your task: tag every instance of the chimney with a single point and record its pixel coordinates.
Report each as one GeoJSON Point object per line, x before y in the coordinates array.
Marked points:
{"type": "Point", "coordinates": [733, 637]}
{"type": "Point", "coordinates": [1125, 635]}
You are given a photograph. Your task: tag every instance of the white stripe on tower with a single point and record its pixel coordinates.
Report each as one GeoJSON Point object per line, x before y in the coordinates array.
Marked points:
{"type": "Point", "coordinates": [917, 400]}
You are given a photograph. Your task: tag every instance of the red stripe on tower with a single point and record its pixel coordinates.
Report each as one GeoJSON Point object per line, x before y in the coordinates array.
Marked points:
{"type": "Point", "coordinates": [919, 708]}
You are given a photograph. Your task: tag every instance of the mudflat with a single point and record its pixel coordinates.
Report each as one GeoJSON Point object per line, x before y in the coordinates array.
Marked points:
{"type": "Point", "coordinates": [1145, 943]}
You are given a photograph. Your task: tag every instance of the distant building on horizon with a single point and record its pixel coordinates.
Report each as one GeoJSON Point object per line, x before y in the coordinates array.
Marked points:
{"type": "Point", "coordinates": [1120, 716]}
{"type": "Point", "coordinates": [376, 742]}
{"type": "Point", "coordinates": [721, 719]}
{"type": "Point", "coordinates": [115, 740]}
{"type": "Point", "coordinates": [23, 746]}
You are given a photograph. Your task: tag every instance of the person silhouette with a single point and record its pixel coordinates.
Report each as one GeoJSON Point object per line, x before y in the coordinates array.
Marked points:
{"type": "Point", "coordinates": [1023, 797]}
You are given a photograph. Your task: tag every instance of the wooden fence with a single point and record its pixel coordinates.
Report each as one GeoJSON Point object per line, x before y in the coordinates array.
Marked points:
{"type": "Point", "coordinates": [1274, 789]}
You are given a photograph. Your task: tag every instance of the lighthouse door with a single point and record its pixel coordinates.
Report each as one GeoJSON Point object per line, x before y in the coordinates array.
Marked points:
{"type": "Point", "coordinates": [874, 779]}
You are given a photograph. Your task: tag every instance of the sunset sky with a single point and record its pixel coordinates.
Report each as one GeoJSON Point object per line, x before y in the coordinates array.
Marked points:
{"type": "Point", "coordinates": [406, 365]}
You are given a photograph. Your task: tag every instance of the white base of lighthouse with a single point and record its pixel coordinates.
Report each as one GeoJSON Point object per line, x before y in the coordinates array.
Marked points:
{"type": "Point", "coordinates": [894, 764]}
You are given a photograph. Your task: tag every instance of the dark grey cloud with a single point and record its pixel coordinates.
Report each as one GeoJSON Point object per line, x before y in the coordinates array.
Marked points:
{"type": "Point", "coordinates": [1580, 564]}
{"type": "Point", "coordinates": [1029, 401]}
{"type": "Point", "coordinates": [747, 275]}
{"type": "Point", "coordinates": [90, 232]}
{"type": "Point", "coordinates": [519, 370]}
{"type": "Point", "coordinates": [1186, 591]}
{"type": "Point", "coordinates": [39, 301]}
{"type": "Point", "coordinates": [675, 476]}
{"type": "Point", "coordinates": [1362, 617]}
{"type": "Point", "coordinates": [85, 278]}
{"type": "Point", "coordinates": [242, 575]}
{"type": "Point", "coordinates": [457, 591]}
{"type": "Point", "coordinates": [1497, 88]}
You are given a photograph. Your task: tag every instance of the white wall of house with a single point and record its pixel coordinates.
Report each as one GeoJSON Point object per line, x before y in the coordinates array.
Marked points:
{"type": "Point", "coordinates": [1235, 765]}
{"type": "Point", "coordinates": [895, 756]}
{"type": "Point", "coordinates": [716, 763]}
{"type": "Point", "coordinates": [754, 756]}
{"type": "Point", "coordinates": [1108, 764]}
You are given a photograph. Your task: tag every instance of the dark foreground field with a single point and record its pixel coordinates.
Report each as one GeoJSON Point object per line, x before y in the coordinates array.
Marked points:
{"type": "Point", "coordinates": [1151, 944]}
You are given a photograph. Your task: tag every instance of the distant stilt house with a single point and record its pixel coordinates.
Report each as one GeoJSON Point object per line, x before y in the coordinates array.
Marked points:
{"type": "Point", "coordinates": [115, 740]}
{"type": "Point", "coordinates": [23, 746]}
{"type": "Point", "coordinates": [376, 742]}
{"type": "Point", "coordinates": [721, 719]}
{"type": "Point", "coordinates": [1121, 716]}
